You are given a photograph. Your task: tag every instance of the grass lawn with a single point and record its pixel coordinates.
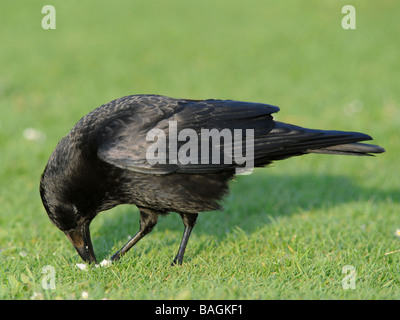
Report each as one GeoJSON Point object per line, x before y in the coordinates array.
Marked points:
{"type": "Point", "coordinates": [287, 231]}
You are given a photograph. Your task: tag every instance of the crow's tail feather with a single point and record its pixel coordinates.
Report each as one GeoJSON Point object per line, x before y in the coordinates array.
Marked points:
{"type": "Point", "coordinates": [286, 140]}
{"type": "Point", "coordinates": [351, 149]}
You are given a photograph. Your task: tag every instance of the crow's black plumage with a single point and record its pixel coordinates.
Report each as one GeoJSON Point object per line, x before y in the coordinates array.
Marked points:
{"type": "Point", "coordinates": [102, 162]}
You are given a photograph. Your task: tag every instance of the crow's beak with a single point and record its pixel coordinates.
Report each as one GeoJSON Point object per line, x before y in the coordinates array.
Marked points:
{"type": "Point", "coordinates": [80, 238]}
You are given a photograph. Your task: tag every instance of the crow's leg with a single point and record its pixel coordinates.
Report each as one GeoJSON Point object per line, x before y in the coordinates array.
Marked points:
{"type": "Point", "coordinates": [189, 220]}
{"type": "Point", "coordinates": [148, 219]}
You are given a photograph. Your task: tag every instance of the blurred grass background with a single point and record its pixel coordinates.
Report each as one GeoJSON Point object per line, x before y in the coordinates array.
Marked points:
{"type": "Point", "coordinates": [286, 231]}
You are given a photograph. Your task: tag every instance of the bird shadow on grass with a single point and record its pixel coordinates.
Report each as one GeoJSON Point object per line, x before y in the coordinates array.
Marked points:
{"type": "Point", "coordinates": [253, 201]}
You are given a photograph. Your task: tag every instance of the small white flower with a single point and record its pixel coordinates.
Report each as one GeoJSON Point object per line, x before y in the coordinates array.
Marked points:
{"type": "Point", "coordinates": [85, 295]}
{"type": "Point", "coordinates": [353, 107]}
{"type": "Point", "coordinates": [37, 296]}
{"type": "Point", "coordinates": [81, 266]}
{"type": "Point", "coordinates": [32, 134]}
{"type": "Point", "coordinates": [106, 263]}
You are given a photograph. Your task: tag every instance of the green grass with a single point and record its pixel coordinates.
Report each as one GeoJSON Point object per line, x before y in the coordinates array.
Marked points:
{"type": "Point", "coordinates": [286, 231]}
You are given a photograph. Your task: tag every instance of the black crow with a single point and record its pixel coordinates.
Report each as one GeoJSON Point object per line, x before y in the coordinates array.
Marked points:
{"type": "Point", "coordinates": [164, 154]}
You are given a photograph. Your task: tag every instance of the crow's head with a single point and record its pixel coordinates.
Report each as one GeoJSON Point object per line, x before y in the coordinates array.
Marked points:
{"type": "Point", "coordinates": [68, 219]}
{"type": "Point", "coordinates": [62, 202]}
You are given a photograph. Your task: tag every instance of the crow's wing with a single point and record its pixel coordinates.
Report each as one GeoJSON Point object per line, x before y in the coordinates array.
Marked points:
{"type": "Point", "coordinates": [138, 126]}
